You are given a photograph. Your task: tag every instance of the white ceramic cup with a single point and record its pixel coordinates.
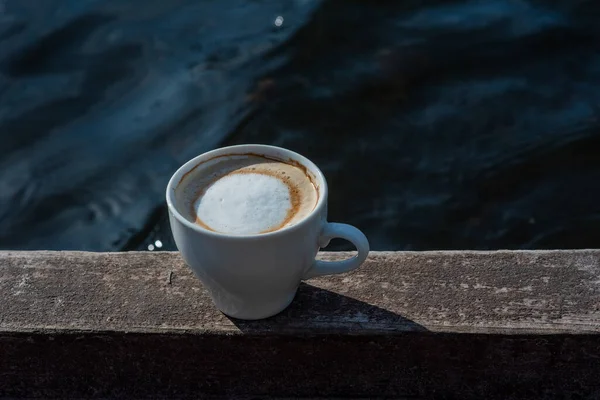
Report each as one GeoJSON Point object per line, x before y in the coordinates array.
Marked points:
{"type": "Point", "coordinates": [257, 276]}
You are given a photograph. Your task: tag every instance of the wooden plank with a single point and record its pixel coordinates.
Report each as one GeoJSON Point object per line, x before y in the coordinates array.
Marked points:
{"type": "Point", "coordinates": [471, 324]}
{"type": "Point", "coordinates": [478, 292]}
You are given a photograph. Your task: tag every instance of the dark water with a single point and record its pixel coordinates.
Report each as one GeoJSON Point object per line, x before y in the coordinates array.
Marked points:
{"type": "Point", "coordinates": [439, 124]}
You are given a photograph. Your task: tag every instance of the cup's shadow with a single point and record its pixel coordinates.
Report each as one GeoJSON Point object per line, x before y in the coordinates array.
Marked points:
{"type": "Point", "coordinates": [322, 309]}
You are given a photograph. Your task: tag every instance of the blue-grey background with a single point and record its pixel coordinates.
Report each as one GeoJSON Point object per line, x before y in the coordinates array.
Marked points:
{"type": "Point", "coordinates": [439, 124]}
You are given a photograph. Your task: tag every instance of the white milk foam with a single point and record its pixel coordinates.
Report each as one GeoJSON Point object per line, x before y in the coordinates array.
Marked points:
{"type": "Point", "coordinates": [246, 195]}
{"type": "Point", "coordinates": [244, 204]}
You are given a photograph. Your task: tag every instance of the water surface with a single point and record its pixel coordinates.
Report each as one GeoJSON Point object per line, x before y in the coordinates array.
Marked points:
{"type": "Point", "coordinates": [438, 124]}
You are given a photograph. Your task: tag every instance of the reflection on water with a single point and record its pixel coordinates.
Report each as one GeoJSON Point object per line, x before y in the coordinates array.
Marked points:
{"type": "Point", "coordinates": [462, 124]}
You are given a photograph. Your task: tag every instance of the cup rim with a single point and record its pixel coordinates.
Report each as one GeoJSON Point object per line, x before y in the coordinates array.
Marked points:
{"type": "Point", "coordinates": [257, 149]}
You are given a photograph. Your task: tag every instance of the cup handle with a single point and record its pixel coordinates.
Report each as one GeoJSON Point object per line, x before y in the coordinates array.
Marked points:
{"type": "Point", "coordinates": [343, 231]}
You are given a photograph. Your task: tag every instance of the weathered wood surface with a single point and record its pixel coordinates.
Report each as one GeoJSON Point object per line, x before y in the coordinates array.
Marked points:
{"type": "Point", "coordinates": [477, 292]}
{"type": "Point", "coordinates": [443, 324]}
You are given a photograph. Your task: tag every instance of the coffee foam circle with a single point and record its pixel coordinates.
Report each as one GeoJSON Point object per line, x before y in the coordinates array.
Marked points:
{"type": "Point", "coordinates": [245, 203]}
{"type": "Point", "coordinates": [246, 194]}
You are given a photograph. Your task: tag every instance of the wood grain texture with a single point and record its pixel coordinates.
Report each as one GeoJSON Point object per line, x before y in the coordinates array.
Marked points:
{"type": "Point", "coordinates": [493, 325]}
{"type": "Point", "coordinates": [479, 292]}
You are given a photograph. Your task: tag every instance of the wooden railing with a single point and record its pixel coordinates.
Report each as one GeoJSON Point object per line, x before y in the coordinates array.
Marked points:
{"type": "Point", "coordinates": [468, 325]}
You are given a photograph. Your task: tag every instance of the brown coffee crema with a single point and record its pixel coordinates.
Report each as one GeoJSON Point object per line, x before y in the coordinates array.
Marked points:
{"type": "Point", "coordinates": [303, 192]}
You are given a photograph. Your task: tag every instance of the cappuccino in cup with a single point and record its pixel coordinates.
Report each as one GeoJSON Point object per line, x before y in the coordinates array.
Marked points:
{"type": "Point", "coordinates": [247, 194]}
{"type": "Point", "coordinates": [249, 221]}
